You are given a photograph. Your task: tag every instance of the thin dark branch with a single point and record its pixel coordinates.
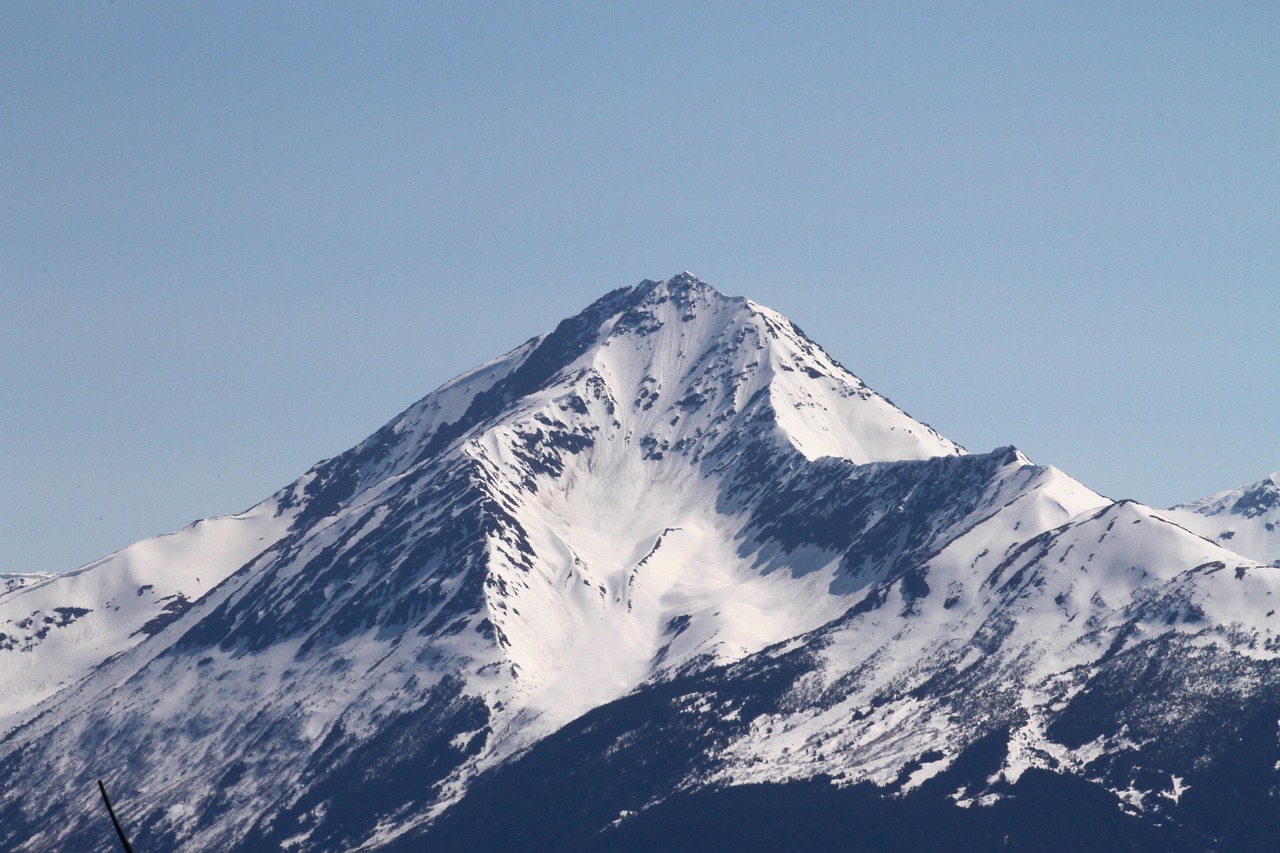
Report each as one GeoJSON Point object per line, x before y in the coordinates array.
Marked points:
{"type": "Point", "coordinates": [119, 829]}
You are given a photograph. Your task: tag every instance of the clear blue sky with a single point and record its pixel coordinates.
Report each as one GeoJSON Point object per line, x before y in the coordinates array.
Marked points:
{"type": "Point", "coordinates": [237, 238]}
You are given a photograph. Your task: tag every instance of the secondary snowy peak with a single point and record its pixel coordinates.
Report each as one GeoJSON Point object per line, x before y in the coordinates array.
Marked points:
{"type": "Point", "coordinates": [1251, 501]}
{"type": "Point", "coordinates": [1245, 520]}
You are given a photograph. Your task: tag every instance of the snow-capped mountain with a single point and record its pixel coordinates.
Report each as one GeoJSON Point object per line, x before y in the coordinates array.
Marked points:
{"type": "Point", "coordinates": [670, 550]}
{"type": "Point", "coordinates": [1245, 520]}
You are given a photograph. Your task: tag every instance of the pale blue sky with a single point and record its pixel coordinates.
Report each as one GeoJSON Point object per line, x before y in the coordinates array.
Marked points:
{"type": "Point", "coordinates": [237, 238]}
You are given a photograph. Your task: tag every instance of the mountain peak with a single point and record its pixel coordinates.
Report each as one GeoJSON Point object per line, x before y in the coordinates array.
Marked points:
{"type": "Point", "coordinates": [684, 289]}
{"type": "Point", "coordinates": [675, 364]}
{"type": "Point", "coordinates": [684, 280]}
{"type": "Point", "coordinates": [683, 351]}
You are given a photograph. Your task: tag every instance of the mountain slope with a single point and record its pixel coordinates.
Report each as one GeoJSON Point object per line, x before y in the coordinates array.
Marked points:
{"type": "Point", "coordinates": [55, 629]}
{"type": "Point", "coordinates": [1115, 648]}
{"type": "Point", "coordinates": [673, 518]}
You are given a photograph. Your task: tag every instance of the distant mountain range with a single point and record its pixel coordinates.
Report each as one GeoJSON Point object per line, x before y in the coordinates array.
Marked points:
{"type": "Point", "coordinates": [668, 577]}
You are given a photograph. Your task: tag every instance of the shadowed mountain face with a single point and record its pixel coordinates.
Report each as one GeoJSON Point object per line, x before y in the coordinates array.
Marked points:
{"type": "Point", "coordinates": [665, 565]}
